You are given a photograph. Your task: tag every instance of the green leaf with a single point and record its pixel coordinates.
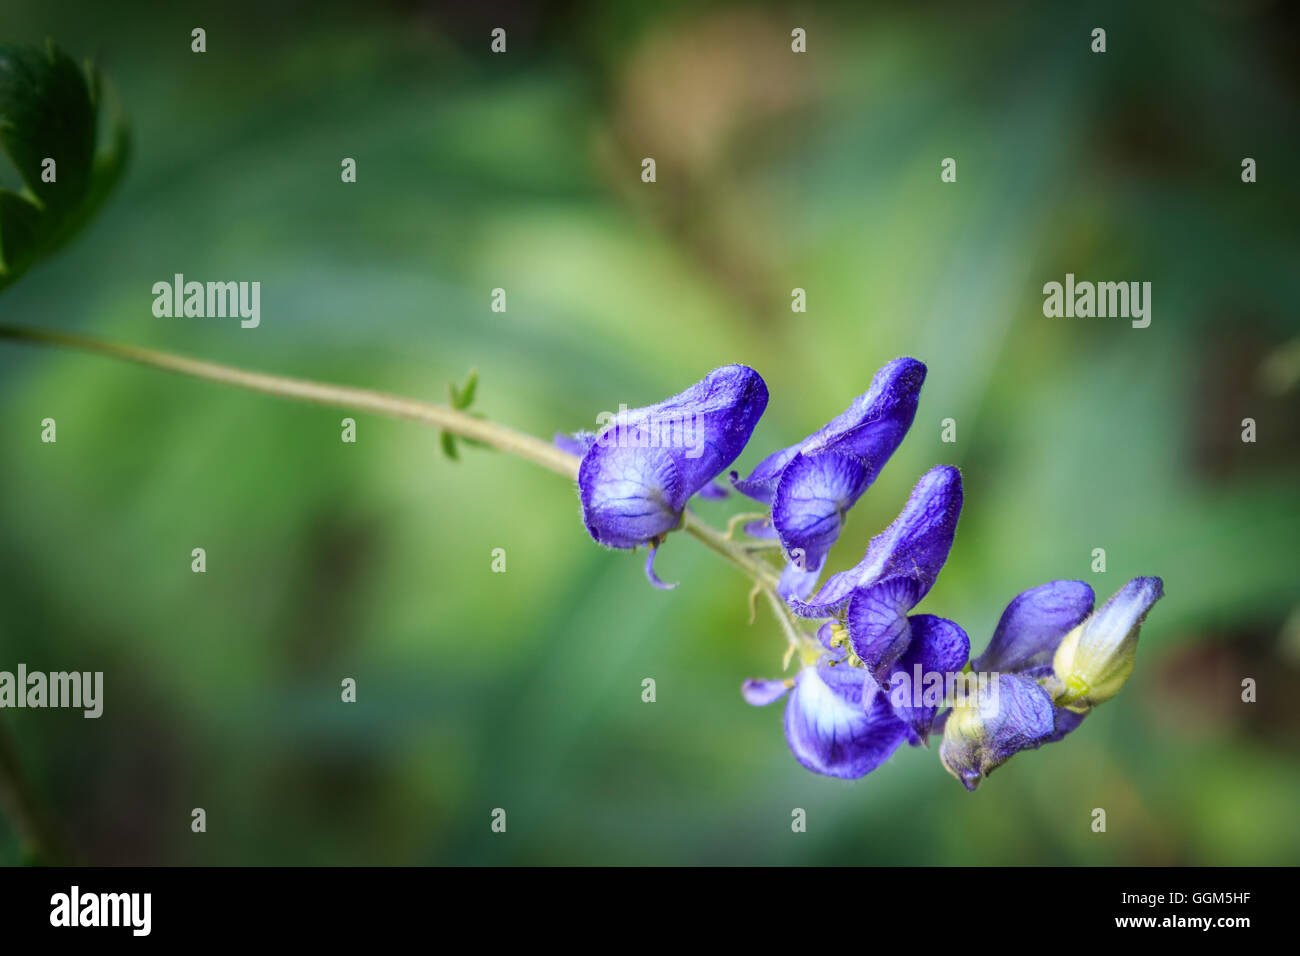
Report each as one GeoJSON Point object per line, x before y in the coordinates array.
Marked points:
{"type": "Point", "coordinates": [449, 446]}
{"type": "Point", "coordinates": [468, 389]}
{"type": "Point", "coordinates": [463, 397]}
{"type": "Point", "coordinates": [49, 109]}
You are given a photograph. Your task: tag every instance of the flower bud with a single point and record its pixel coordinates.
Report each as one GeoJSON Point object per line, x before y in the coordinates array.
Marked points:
{"type": "Point", "coordinates": [1095, 659]}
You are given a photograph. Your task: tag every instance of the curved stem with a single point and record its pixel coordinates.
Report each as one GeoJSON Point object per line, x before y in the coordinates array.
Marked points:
{"type": "Point", "coordinates": [737, 520]}
{"type": "Point", "coordinates": [341, 396]}
{"type": "Point", "coordinates": [445, 417]}
{"type": "Point", "coordinates": [760, 571]}
{"type": "Point", "coordinates": [763, 575]}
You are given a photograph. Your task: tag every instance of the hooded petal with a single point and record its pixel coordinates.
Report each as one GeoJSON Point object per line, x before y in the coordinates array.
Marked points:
{"type": "Point", "coordinates": [879, 630]}
{"type": "Point", "coordinates": [915, 545]}
{"type": "Point", "coordinates": [630, 494]}
{"type": "Point", "coordinates": [1033, 624]}
{"type": "Point", "coordinates": [811, 500]}
{"type": "Point", "coordinates": [834, 728]}
{"type": "Point", "coordinates": [869, 431]}
{"type": "Point", "coordinates": [919, 679]}
{"type": "Point", "coordinates": [707, 426]}
{"type": "Point", "coordinates": [1096, 658]}
{"type": "Point", "coordinates": [872, 428]}
{"type": "Point", "coordinates": [1013, 714]}
{"type": "Point", "coordinates": [639, 472]}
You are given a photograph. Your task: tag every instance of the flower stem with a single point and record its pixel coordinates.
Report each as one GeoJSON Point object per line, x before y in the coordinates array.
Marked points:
{"type": "Point", "coordinates": [340, 396]}
{"type": "Point", "coordinates": [737, 520]}
{"type": "Point", "coordinates": [762, 574]}
{"type": "Point", "coordinates": [445, 417]}
{"type": "Point", "coordinates": [760, 571]}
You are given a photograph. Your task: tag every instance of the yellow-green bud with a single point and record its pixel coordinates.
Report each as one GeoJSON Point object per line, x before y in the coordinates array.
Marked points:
{"type": "Point", "coordinates": [1094, 660]}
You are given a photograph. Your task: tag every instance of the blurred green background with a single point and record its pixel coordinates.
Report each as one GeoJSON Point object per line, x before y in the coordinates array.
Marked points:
{"type": "Point", "coordinates": [523, 690]}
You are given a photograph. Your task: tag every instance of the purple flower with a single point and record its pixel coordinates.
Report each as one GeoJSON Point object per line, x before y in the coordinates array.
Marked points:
{"type": "Point", "coordinates": [812, 485]}
{"type": "Point", "coordinates": [918, 680]}
{"type": "Point", "coordinates": [846, 715]}
{"type": "Point", "coordinates": [912, 550]}
{"type": "Point", "coordinates": [1049, 661]}
{"type": "Point", "coordinates": [1012, 711]}
{"type": "Point", "coordinates": [638, 473]}
{"type": "Point", "coordinates": [836, 721]}
{"type": "Point", "coordinates": [1000, 720]}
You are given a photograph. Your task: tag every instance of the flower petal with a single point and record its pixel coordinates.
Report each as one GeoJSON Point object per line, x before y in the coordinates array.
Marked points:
{"type": "Point", "coordinates": [919, 679]}
{"type": "Point", "coordinates": [630, 494]}
{"type": "Point", "coordinates": [1066, 721]}
{"type": "Point", "coordinates": [1095, 659]}
{"type": "Point", "coordinates": [872, 428]}
{"type": "Point", "coordinates": [714, 490]}
{"type": "Point", "coordinates": [811, 499]}
{"type": "Point", "coordinates": [707, 426]}
{"type": "Point", "coordinates": [879, 629]}
{"type": "Point", "coordinates": [915, 545]}
{"type": "Point", "coordinates": [797, 582]}
{"type": "Point", "coordinates": [760, 693]}
{"type": "Point", "coordinates": [984, 733]}
{"type": "Point", "coordinates": [650, 571]}
{"type": "Point", "coordinates": [1033, 624]}
{"type": "Point", "coordinates": [575, 444]}
{"type": "Point", "coordinates": [869, 430]}
{"type": "Point", "coordinates": [761, 483]}
{"type": "Point", "coordinates": [831, 729]}
{"type": "Point", "coordinates": [639, 472]}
